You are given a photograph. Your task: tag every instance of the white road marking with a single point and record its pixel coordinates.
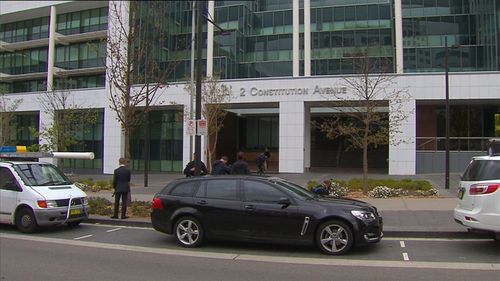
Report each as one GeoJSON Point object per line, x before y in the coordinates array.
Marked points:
{"type": "Point", "coordinates": [257, 258]}
{"type": "Point", "coordinates": [113, 230]}
{"type": "Point", "coordinates": [124, 226]}
{"type": "Point", "coordinates": [402, 243]}
{"type": "Point", "coordinates": [83, 237]}
{"type": "Point", "coordinates": [436, 239]}
{"type": "Point", "coordinates": [405, 257]}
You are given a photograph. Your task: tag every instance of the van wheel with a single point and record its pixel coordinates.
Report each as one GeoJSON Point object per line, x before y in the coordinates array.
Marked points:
{"type": "Point", "coordinates": [26, 221]}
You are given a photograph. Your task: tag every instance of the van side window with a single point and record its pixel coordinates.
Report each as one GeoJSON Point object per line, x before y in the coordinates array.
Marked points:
{"type": "Point", "coordinates": [7, 180]}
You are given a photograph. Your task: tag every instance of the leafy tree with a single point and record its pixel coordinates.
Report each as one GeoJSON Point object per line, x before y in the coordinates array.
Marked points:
{"type": "Point", "coordinates": [68, 120]}
{"type": "Point", "coordinates": [8, 106]}
{"type": "Point", "coordinates": [361, 120]}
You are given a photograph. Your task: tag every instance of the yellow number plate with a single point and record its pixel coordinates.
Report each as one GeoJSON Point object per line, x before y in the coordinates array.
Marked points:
{"type": "Point", "coordinates": [75, 212]}
{"type": "Point", "coordinates": [461, 194]}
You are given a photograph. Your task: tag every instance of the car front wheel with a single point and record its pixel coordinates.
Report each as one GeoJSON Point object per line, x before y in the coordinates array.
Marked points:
{"type": "Point", "coordinates": [26, 221]}
{"type": "Point", "coordinates": [334, 238]}
{"type": "Point", "coordinates": [188, 232]}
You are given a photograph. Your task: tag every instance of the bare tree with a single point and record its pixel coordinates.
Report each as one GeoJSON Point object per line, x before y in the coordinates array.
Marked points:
{"type": "Point", "coordinates": [68, 120]}
{"type": "Point", "coordinates": [8, 107]}
{"type": "Point", "coordinates": [364, 119]}
{"type": "Point", "coordinates": [215, 100]}
{"type": "Point", "coordinates": [135, 56]}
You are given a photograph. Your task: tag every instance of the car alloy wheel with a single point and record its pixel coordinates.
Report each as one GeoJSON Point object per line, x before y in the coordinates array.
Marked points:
{"type": "Point", "coordinates": [334, 238]}
{"type": "Point", "coordinates": [189, 232]}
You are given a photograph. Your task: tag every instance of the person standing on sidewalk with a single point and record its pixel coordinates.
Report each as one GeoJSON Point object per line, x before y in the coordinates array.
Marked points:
{"type": "Point", "coordinates": [240, 167]}
{"type": "Point", "coordinates": [220, 167]}
{"type": "Point", "coordinates": [121, 185]}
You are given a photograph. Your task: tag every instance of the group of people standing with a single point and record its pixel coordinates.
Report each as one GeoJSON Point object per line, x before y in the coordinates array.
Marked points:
{"type": "Point", "coordinates": [222, 167]}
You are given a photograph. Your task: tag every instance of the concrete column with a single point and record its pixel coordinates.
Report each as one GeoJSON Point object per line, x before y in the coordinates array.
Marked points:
{"type": "Point", "coordinates": [113, 141]}
{"type": "Point", "coordinates": [307, 138]}
{"type": "Point", "coordinates": [307, 37]}
{"type": "Point", "coordinates": [52, 49]}
{"type": "Point", "coordinates": [210, 40]}
{"type": "Point", "coordinates": [398, 21]}
{"type": "Point", "coordinates": [295, 34]}
{"type": "Point", "coordinates": [291, 134]}
{"type": "Point", "coordinates": [402, 156]}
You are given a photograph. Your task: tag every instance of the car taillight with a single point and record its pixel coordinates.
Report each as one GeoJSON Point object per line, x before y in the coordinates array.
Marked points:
{"type": "Point", "coordinates": [157, 204]}
{"type": "Point", "coordinates": [480, 189]}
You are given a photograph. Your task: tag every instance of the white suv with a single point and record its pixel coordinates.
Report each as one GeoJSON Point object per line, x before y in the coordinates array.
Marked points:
{"type": "Point", "coordinates": [479, 195]}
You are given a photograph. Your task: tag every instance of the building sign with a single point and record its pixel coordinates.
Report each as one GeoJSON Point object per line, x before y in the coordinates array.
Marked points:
{"type": "Point", "coordinates": [256, 92]}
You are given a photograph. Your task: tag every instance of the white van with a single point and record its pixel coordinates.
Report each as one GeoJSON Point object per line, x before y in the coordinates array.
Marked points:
{"type": "Point", "coordinates": [479, 195]}
{"type": "Point", "coordinates": [36, 194]}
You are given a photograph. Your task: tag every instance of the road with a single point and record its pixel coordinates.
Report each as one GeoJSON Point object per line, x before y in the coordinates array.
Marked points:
{"type": "Point", "coordinates": [102, 252]}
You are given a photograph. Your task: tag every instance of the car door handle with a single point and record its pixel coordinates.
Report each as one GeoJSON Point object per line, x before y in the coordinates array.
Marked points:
{"type": "Point", "coordinates": [202, 202]}
{"type": "Point", "coordinates": [250, 207]}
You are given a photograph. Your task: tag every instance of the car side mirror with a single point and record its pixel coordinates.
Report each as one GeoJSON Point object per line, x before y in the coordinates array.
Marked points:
{"type": "Point", "coordinates": [285, 202]}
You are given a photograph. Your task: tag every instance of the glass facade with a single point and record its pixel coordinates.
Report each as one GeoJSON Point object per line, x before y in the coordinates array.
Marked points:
{"type": "Point", "coordinates": [24, 61]}
{"type": "Point", "coordinates": [26, 30]}
{"type": "Point", "coordinates": [90, 138]}
{"type": "Point", "coordinates": [81, 55]}
{"type": "Point", "coordinates": [22, 129]}
{"type": "Point", "coordinates": [468, 26]}
{"type": "Point", "coordinates": [166, 139]}
{"type": "Point", "coordinates": [83, 21]}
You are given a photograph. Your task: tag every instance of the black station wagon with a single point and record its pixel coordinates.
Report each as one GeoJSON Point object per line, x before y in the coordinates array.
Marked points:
{"type": "Point", "coordinates": [253, 208]}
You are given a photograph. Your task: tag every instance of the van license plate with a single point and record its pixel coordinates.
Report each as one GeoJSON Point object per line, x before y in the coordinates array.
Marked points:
{"type": "Point", "coordinates": [75, 212]}
{"type": "Point", "coordinates": [461, 193]}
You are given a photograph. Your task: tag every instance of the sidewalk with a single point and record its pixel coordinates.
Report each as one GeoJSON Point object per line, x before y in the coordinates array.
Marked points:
{"type": "Point", "coordinates": [403, 217]}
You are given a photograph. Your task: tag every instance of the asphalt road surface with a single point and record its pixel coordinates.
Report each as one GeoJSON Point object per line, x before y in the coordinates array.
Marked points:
{"type": "Point", "coordinates": [102, 252]}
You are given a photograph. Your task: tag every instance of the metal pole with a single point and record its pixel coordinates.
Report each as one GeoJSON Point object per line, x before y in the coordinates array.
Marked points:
{"type": "Point", "coordinates": [447, 119]}
{"type": "Point", "coordinates": [199, 61]}
{"type": "Point", "coordinates": [191, 94]}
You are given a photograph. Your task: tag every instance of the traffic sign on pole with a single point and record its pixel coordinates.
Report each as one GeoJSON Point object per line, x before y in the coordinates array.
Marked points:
{"type": "Point", "coordinates": [191, 127]}
{"type": "Point", "coordinates": [202, 127]}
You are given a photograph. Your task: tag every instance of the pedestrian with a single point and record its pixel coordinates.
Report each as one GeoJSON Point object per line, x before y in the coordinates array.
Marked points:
{"type": "Point", "coordinates": [240, 167]}
{"type": "Point", "coordinates": [220, 167]}
{"type": "Point", "coordinates": [121, 185]}
{"type": "Point", "coordinates": [268, 156]}
{"type": "Point", "coordinates": [323, 189]}
{"type": "Point", "coordinates": [190, 167]}
{"type": "Point", "coordinates": [261, 163]}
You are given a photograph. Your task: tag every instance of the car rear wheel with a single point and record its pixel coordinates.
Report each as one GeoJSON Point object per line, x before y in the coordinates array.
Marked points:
{"type": "Point", "coordinates": [189, 232]}
{"type": "Point", "coordinates": [26, 221]}
{"type": "Point", "coordinates": [334, 238]}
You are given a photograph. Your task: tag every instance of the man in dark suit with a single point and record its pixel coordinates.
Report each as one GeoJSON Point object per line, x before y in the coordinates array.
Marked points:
{"type": "Point", "coordinates": [121, 185]}
{"type": "Point", "coordinates": [240, 167]}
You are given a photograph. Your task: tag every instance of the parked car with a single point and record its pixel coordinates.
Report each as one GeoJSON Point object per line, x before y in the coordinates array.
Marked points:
{"type": "Point", "coordinates": [254, 208]}
{"type": "Point", "coordinates": [36, 194]}
{"type": "Point", "coordinates": [479, 195]}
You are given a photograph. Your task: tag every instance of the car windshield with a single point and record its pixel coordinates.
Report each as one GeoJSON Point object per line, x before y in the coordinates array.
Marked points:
{"type": "Point", "coordinates": [38, 174]}
{"type": "Point", "coordinates": [295, 189]}
{"type": "Point", "coordinates": [482, 170]}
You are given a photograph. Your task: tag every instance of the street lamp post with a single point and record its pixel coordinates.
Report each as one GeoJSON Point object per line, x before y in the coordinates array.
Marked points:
{"type": "Point", "coordinates": [447, 118]}
{"type": "Point", "coordinates": [197, 142]}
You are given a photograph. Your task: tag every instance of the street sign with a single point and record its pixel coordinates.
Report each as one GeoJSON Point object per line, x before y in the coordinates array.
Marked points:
{"type": "Point", "coordinates": [191, 127]}
{"type": "Point", "coordinates": [202, 127]}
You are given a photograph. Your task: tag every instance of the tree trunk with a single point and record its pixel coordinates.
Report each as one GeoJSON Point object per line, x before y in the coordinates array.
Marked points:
{"type": "Point", "coordinates": [365, 161]}
{"type": "Point", "coordinates": [126, 149]}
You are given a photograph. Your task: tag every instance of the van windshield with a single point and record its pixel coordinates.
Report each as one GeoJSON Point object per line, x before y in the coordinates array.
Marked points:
{"type": "Point", "coordinates": [38, 174]}
{"type": "Point", "coordinates": [482, 170]}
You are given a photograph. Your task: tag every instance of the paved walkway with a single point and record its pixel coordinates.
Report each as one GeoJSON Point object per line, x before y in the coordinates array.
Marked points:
{"type": "Point", "coordinates": [421, 217]}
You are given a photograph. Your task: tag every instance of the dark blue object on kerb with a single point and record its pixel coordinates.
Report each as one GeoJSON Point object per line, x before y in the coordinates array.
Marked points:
{"type": "Point", "coordinates": [8, 149]}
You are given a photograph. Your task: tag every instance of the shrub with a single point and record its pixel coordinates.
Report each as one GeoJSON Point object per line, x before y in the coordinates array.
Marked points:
{"type": "Point", "coordinates": [141, 208]}
{"type": "Point", "coordinates": [336, 190]}
{"type": "Point", "coordinates": [100, 206]}
{"type": "Point", "coordinates": [312, 184]}
{"type": "Point", "coordinates": [385, 192]}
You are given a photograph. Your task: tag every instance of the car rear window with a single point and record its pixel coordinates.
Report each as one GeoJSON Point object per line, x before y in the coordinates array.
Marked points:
{"type": "Point", "coordinates": [183, 189]}
{"type": "Point", "coordinates": [482, 170]}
